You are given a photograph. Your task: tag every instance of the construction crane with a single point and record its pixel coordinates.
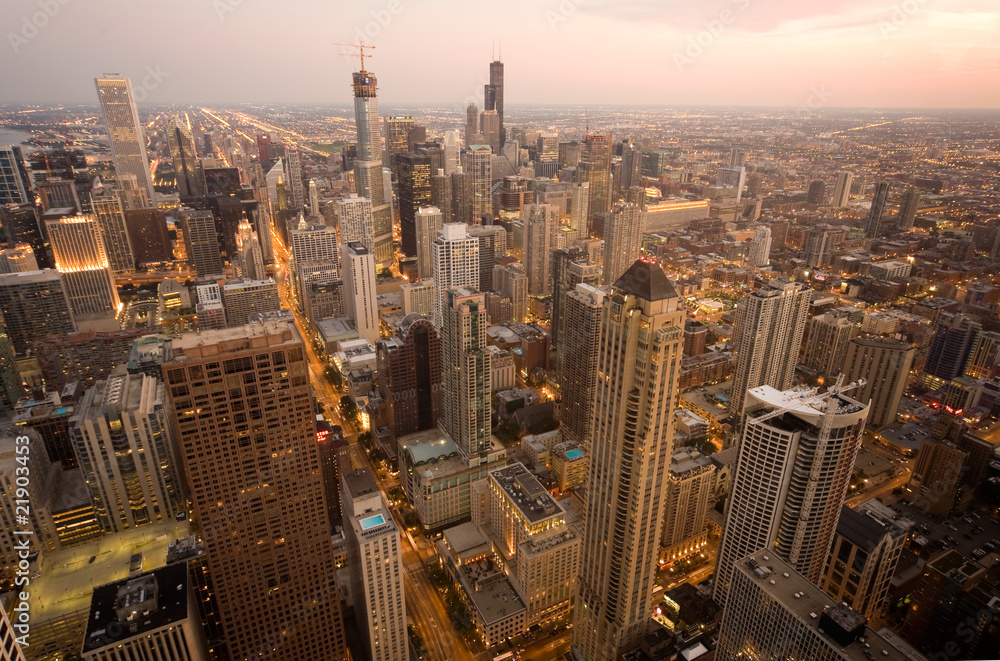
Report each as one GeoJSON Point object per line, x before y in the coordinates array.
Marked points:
{"type": "Point", "coordinates": [361, 46]}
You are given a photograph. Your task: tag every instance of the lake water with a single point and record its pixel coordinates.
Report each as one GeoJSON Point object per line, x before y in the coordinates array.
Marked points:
{"type": "Point", "coordinates": [9, 137]}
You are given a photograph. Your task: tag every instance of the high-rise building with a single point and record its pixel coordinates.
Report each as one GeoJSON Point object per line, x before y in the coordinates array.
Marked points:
{"type": "Point", "coordinates": [34, 306]}
{"type": "Point", "coordinates": [984, 356]}
{"type": "Point", "coordinates": [827, 337]}
{"type": "Point", "coordinates": [819, 246]}
{"type": "Point", "coordinates": [758, 253]}
{"type": "Point", "coordinates": [733, 178]}
{"type": "Point", "coordinates": [796, 456]}
{"type": "Point", "coordinates": [842, 190]}
{"type": "Point", "coordinates": [361, 307]}
{"type": "Point", "coordinates": [409, 375]}
{"type": "Point", "coordinates": [209, 307]}
{"type": "Point", "coordinates": [19, 259]}
{"type": "Point", "coordinates": [541, 225]}
{"type": "Point", "coordinates": [465, 372]}
{"type": "Point", "coordinates": [9, 639]}
{"type": "Point", "coordinates": [376, 559]}
{"type": "Point", "coordinates": [428, 222]}
{"type": "Point", "coordinates": [264, 147]}
{"type": "Point", "coordinates": [187, 167]}
{"type": "Point", "coordinates": [316, 262]}
{"type": "Point", "coordinates": [951, 346]}
{"type": "Point", "coordinates": [202, 239]}
{"type": "Point", "coordinates": [11, 389]}
{"type": "Point", "coordinates": [21, 225]}
{"type": "Point", "coordinates": [368, 176]}
{"type": "Point", "coordinates": [775, 612]}
{"type": "Point", "coordinates": [492, 246]}
{"type": "Point", "coordinates": [632, 433]}
{"type": "Point", "coordinates": [110, 217]}
{"type": "Point", "coordinates": [623, 239]}
{"type": "Point", "coordinates": [418, 297]}
{"type": "Point", "coordinates": [15, 186]}
{"type": "Point", "coordinates": [414, 175]}
{"type": "Point", "coordinates": [690, 485]}
{"type": "Point", "coordinates": [455, 263]}
{"type": "Point", "coordinates": [121, 119]}
{"type": "Point", "coordinates": [548, 147]}
{"type": "Point", "coordinates": [471, 124]}
{"type": "Point", "coordinates": [862, 561]}
{"type": "Point", "coordinates": [737, 157]}
{"type": "Point", "coordinates": [570, 267]}
{"type": "Point", "coordinates": [908, 209]}
{"type": "Point", "coordinates": [816, 193]}
{"type": "Point", "coordinates": [123, 446]}
{"type": "Point", "coordinates": [83, 263]}
{"type": "Point", "coordinates": [493, 98]}
{"type": "Point", "coordinates": [249, 261]}
{"type": "Point", "coordinates": [133, 194]}
{"type": "Point", "coordinates": [244, 300]}
{"type": "Point", "coordinates": [397, 131]}
{"type": "Point", "coordinates": [297, 190]}
{"type": "Point", "coordinates": [256, 488]}
{"type": "Point", "coordinates": [595, 169]}
{"type": "Point", "coordinates": [884, 364]}
{"type": "Point", "coordinates": [354, 215]}
{"type": "Point", "coordinates": [879, 198]}
{"type": "Point", "coordinates": [489, 128]}
{"type": "Point", "coordinates": [511, 282]}
{"type": "Point", "coordinates": [452, 151]}
{"type": "Point", "coordinates": [149, 235]}
{"type": "Point", "coordinates": [477, 161]}
{"type": "Point", "coordinates": [767, 337]}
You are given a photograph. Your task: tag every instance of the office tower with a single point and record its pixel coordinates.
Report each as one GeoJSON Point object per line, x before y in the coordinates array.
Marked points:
{"type": "Point", "coordinates": [951, 346]}
{"type": "Point", "coordinates": [462, 197]}
{"type": "Point", "coordinates": [639, 360]}
{"type": "Point", "coordinates": [489, 128]}
{"type": "Point", "coordinates": [631, 166]}
{"type": "Point", "coordinates": [80, 258]}
{"type": "Point", "coordinates": [884, 364]}
{"type": "Point", "coordinates": [541, 224]}
{"type": "Point", "coordinates": [758, 253]}
{"type": "Point", "coordinates": [264, 147]}
{"type": "Point", "coordinates": [418, 298]}
{"type": "Point", "coordinates": [690, 484]}
{"type": "Point", "coordinates": [204, 252]}
{"type": "Point", "coordinates": [465, 372]}
{"type": "Point", "coordinates": [796, 456]}
{"type": "Point", "coordinates": [570, 267]}
{"type": "Point", "coordinates": [132, 192]}
{"type": "Point", "coordinates": [511, 282]}
{"type": "Point", "coordinates": [623, 239]}
{"type": "Point", "coordinates": [368, 176]}
{"type": "Point", "coordinates": [862, 561]}
{"type": "Point", "coordinates": [209, 308]}
{"type": "Point", "coordinates": [376, 561]}
{"type": "Point", "coordinates": [595, 169]}
{"type": "Point", "coordinates": [128, 141]}
{"type": "Point", "coordinates": [984, 356]}
{"type": "Point", "coordinates": [59, 194]}
{"type": "Point", "coordinates": [314, 210]}
{"type": "Point", "coordinates": [908, 209]}
{"type": "Point", "coordinates": [842, 189]}
{"type": "Point", "coordinates": [248, 262]}
{"type": "Point", "coordinates": [152, 615]}
{"type": "Point", "coordinates": [819, 246]}
{"type": "Point", "coordinates": [737, 157]}
{"type": "Point", "coordinates": [397, 131]}
{"type": "Point", "coordinates": [354, 215]}
{"type": "Point", "coordinates": [19, 259]}
{"type": "Point", "coordinates": [428, 223]}
{"type": "Point", "coordinates": [252, 467]}
{"type": "Point", "coordinates": [816, 193]}
{"type": "Point", "coordinates": [827, 337]}
{"type": "Point", "coordinates": [297, 190]}
{"type": "Point", "coordinates": [471, 124]}
{"type": "Point", "coordinates": [316, 271]}
{"type": "Point", "coordinates": [247, 300]}
{"type": "Point", "coordinates": [187, 167]}
{"type": "Point", "coordinates": [733, 178]}
{"type": "Point", "coordinates": [15, 186]}
{"type": "Point", "coordinates": [767, 337]}
{"type": "Point", "coordinates": [455, 263]}
{"type": "Point", "coordinates": [493, 96]}
{"type": "Point", "coordinates": [34, 306]}
{"type": "Point", "coordinates": [122, 444]}
{"type": "Point", "coordinates": [21, 226]}
{"type": "Point", "coordinates": [9, 638]}
{"type": "Point", "coordinates": [548, 147]}
{"type": "Point", "coordinates": [452, 151]}
{"type": "Point", "coordinates": [110, 217]}
{"type": "Point", "coordinates": [879, 197]}
{"type": "Point", "coordinates": [409, 375]}
{"type": "Point", "coordinates": [414, 175]}
{"type": "Point", "coordinates": [477, 161]}
{"type": "Point", "coordinates": [42, 489]}
{"type": "Point", "coordinates": [492, 246]}
{"type": "Point", "coordinates": [777, 613]}
{"type": "Point", "coordinates": [359, 289]}
{"type": "Point", "coordinates": [149, 236]}
{"type": "Point", "coordinates": [85, 356]}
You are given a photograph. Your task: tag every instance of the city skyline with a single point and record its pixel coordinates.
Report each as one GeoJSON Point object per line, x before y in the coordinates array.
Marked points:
{"type": "Point", "coordinates": [847, 53]}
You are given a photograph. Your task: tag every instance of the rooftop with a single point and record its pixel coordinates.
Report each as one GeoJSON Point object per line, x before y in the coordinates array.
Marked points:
{"type": "Point", "coordinates": [864, 530]}
{"type": "Point", "coordinates": [688, 460]}
{"type": "Point", "coordinates": [532, 500]}
{"type": "Point", "coordinates": [360, 483]}
{"type": "Point", "coordinates": [647, 281]}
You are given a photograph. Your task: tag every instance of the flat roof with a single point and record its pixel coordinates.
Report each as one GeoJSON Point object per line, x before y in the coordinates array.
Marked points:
{"type": "Point", "coordinates": [532, 500]}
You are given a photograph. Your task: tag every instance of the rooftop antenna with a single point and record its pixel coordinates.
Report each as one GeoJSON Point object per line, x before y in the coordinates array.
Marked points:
{"type": "Point", "coordinates": [361, 46]}
{"type": "Point", "coordinates": [586, 120]}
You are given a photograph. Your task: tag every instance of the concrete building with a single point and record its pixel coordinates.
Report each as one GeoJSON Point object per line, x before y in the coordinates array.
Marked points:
{"type": "Point", "coordinates": [109, 214]}
{"type": "Point", "coordinates": [842, 190]}
{"type": "Point", "coordinates": [429, 222]}
{"type": "Point", "coordinates": [40, 490]}
{"type": "Point", "coordinates": [19, 259]}
{"type": "Point", "coordinates": [128, 141]}
{"type": "Point", "coordinates": [359, 289]}
{"type": "Point", "coordinates": [354, 215]}
{"type": "Point", "coordinates": [204, 252]}
{"type": "Point", "coordinates": [408, 374]}
{"type": "Point", "coordinates": [418, 297]}
{"type": "Point", "coordinates": [570, 267]}
{"type": "Point", "coordinates": [623, 240]}
{"type": "Point", "coordinates": [34, 306]}
{"type": "Point", "coordinates": [884, 364]}
{"type": "Point", "coordinates": [10, 648]}
{"type": "Point", "coordinates": [541, 223]}
{"type": "Point", "coordinates": [244, 300]}
{"type": "Point", "coordinates": [827, 339]}
{"type": "Point", "coordinates": [81, 259]}
{"type": "Point", "coordinates": [249, 259]}
{"type": "Point", "coordinates": [577, 372]}
{"type": "Point", "coordinates": [455, 260]}
{"type": "Point", "coordinates": [759, 252]}
{"type": "Point", "coordinates": [690, 485]}
{"type": "Point", "coordinates": [511, 282]}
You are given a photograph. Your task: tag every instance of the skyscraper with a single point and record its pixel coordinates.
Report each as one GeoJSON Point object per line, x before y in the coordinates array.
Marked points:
{"type": "Point", "coordinates": [489, 127]}
{"type": "Point", "coordinates": [908, 209]}
{"type": "Point", "coordinates": [623, 239]}
{"type": "Point", "coordinates": [595, 168]}
{"type": "Point", "coordinates": [249, 262]}
{"type": "Point", "coordinates": [569, 268]}
{"type": "Point", "coordinates": [541, 224]}
{"type": "Point", "coordinates": [477, 161]}
{"type": "Point", "coordinates": [471, 124]}
{"type": "Point", "coordinates": [123, 446]}
{"type": "Point", "coordinates": [817, 192]}
{"type": "Point", "coordinates": [884, 364]}
{"type": "Point", "coordinates": [376, 559]}
{"type": "Point", "coordinates": [879, 198]}
{"type": "Point", "coordinates": [83, 263]}
{"type": "Point", "coordinates": [767, 337]}
{"type": "Point", "coordinates": [354, 214]}
{"type": "Point", "coordinates": [409, 375]}
{"type": "Point", "coordinates": [243, 300]}
{"type": "Point", "coordinates": [465, 372]}
{"type": "Point", "coordinates": [493, 97]}
{"type": "Point", "coordinates": [632, 433]}
{"type": "Point", "coordinates": [202, 239]}
{"type": "Point", "coordinates": [128, 141]}
{"type": "Point", "coordinates": [455, 260]}
{"type": "Point", "coordinates": [511, 281]}
{"type": "Point", "coordinates": [256, 488]}
{"type": "Point", "coordinates": [15, 187]}
{"type": "Point", "coordinates": [368, 178]}
{"type": "Point", "coordinates": [34, 306]}
{"type": "Point", "coordinates": [428, 222]}
{"type": "Point", "coordinates": [187, 167]}
{"type": "Point", "coordinates": [295, 178]}
{"type": "Point", "coordinates": [951, 346]}
{"type": "Point", "coordinates": [796, 456]}
{"type": "Point", "coordinates": [842, 190]}
{"type": "Point", "coordinates": [759, 252]}
{"type": "Point", "coordinates": [359, 289]}
{"type": "Point", "coordinates": [110, 216]}
{"type": "Point", "coordinates": [414, 175]}
{"type": "Point", "coordinates": [827, 337]}
{"type": "Point", "coordinates": [18, 260]}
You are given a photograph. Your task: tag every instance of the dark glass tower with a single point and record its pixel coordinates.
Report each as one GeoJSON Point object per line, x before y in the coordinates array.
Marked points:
{"type": "Point", "coordinates": [493, 95]}
{"type": "Point", "coordinates": [414, 173]}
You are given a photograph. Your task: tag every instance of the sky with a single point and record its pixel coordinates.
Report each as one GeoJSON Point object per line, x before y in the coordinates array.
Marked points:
{"type": "Point", "coordinates": [796, 53]}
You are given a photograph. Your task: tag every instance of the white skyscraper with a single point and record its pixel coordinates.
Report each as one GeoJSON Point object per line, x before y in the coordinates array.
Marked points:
{"type": "Point", "coordinates": [641, 343]}
{"type": "Point", "coordinates": [796, 456]}
{"type": "Point", "coordinates": [375, 558]}
{"type": "Point", "coordinates": [455, 261]}
{"type": "Point", "coordinates": [358, 266]}
{"type": "Point", "coordinates": [842, 190]}
{"type": "Point", "coordinates": [314, 201]}
{"type": "Point", "coordinates": [623, 239]}
{"type": "Point", "coordinates": [478, 161]}
{"type": "Point", "coordinates": [759, 250]}
{"type": "Point", "coordinates": [354, 214]}
{"type": "Point", "coordinates": [452, 151]}
{"type": "Point", "coordinates": [128, 141]}
{"type": "Point", "coordinates": [541, 225]}
{"type": "Point", "coordinates": [733, 178]}
{"type": "Point", "coordinates": [249, 261]}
